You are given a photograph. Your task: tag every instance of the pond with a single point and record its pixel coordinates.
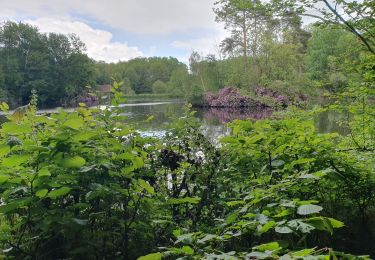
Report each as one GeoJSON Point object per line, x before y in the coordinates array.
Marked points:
{"type": "Point", "coordinates": [213, 120]}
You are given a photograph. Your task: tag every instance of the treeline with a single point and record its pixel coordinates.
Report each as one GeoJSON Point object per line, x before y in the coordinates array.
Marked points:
{"type": "Point", "coordinates": [52, 64]}
{"type": "Point", "coordinates": [145, 75]}
{"type": "Point", "coordinates": [264, 51]}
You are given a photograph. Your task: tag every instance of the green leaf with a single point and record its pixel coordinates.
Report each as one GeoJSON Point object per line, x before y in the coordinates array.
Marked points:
{"type": "Point", "coordinates": [145, 185]}
{"type": "Point", "coordinates": [208, 237]}
{"type": "Point", "coordinates": [4, 150]}
{"type": "Point", "coordinates": [74, 123]}
{"type": "Point", "coordinates": [176, 232]}
{"type": "Point", "coordinates": [309, 209]}
{"type": "Point", "coordinates": [81, 222]}
{"type": "Point", "coordinates": [267, 226]}
{"type": "Point", "coordinates": [41, 193]}
{"type": "Point", "coordinates": [15, 204]}
{"type": "Point", "coordinates": [137, 162]}
{"type": "Point", "coordinates": [321, 223]}
{"type": "Point", "coordinates": [231, 218]}
{"type": "Point", "coordinates": [304, 252]}
{"type": "Point", "coordinates": [15, 160]}
{"type": "Point", "coordinates": [283, 230]}
{"type": "Point", "coordinates": [44, 172]}
{"type": "Point", "coordinates": [187, 250]}
{"type": "Point", "coordinates": [59, 192]}
{"type": "Point", "coordinates": [283, 213]}
{"type": "Point", "coordinates": [191, 200]}
{"type": "Point", "coordinates": [3, 178]}
{"type": "Point", "coordinates": [336, 223]}
{"type": "Point", "coordinates": [73, 162]}
{"type": "Point", "coordinates": [15, 129]}
{"type": "Point", "coordinates": [277, 163]}
{"type": "Point", "coordinates": [268, 247]}
{"type": "Point", "coordinates": [185, 239]}
{"type": "Point", "coordinates": [235, 203]}
{"type": "Point", "coordinates": [154, 256]}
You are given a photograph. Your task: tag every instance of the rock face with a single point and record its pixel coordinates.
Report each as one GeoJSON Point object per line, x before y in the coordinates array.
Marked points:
{"type": "Point", "coordinates": [229, 97]}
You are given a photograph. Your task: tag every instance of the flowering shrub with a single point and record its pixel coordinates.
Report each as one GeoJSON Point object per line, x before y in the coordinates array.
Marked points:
{"type": "Point", "coordinates": [276, 98]}
{"type": "Point", "coordinates": [228, 97]}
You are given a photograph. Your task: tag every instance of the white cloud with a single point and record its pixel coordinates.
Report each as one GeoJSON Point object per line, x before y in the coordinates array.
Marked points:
{"type": "Point", "coordinates": [204, 45]}
{"type": "Point", "coordinates": [137, 16]}
{"type": "Point", "coordinates": [98, 42]}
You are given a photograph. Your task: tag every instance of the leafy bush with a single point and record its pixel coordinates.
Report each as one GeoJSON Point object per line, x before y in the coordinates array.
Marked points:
{"type": "Point", "coordinates": [85, 185]}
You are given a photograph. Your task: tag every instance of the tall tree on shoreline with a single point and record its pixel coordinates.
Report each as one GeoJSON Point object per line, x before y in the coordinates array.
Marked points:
{"type": "Point", "coordinates": [245, 20]}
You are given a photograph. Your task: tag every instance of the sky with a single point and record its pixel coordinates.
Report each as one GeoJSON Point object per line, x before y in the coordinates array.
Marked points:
{"type": "Point", "coordinates": [119, 30]}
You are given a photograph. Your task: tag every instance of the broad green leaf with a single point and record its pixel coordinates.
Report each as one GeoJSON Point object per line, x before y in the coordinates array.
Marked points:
{"type": "Point", "coordinates": [81, 222]}
{"type": "Point", "coordinates": [277, 163]}
{"type": "Point", "coordinates": [267, 226]}
{"type": "Point", "coordinates": [73, 162]}
{"type": "Point", "coordinates": [283, 213]}
{"type": "Point", "coordinates": [41, 193]}
{"type": "Point", "coordinates": [268, 247]}
{"type": "Point", "coordinates": [137, 162]}
{"type": "Point", "coordinates": [83, 136]}
{"type": "Point", "coordinates": [191, 200]}
{"type": "Point", "coordinates": [3, 178]}
{"type": "Point", "coordinates": [187, 250]}
{"type": "Point", "coordinates": [321, 223]}
{"type": "Point", "coordinates": [176, 232]}
{"type": "Point", "coordinates": [4, 150]}
{"type": "Point", "coordinates": [185, 238]}
{"type": "Point", "coordinates": [15, 204]}
{"type": "Point", "coordinates": [145, 185]}
{"type": "Point", "coordinates": [15, 160]}
{"type": "Point", "coordinates": [304, 252]}
{"type": "Point", "coordinates": [309, 209]}
{"type": "Point", "coordinates": [74, 123]}
{"type": "Point", "coordinates": [44, 172]}
{"type": "Point", "coordinates": [336, 223]}
{"type": "Point", "coordinates": [231, 218]}
{"type": "Point", "coordinates": [59, 192]}
{"type": "Point", "coordinates": [208, 237]}
{"type": "Point", "coordinates": [283, 230]}
{"type": "Point", "coordinates": [15, 129]}
{"type": "Point", "coordinates": [154, 256]}
{"type": "Point", "coordinates": [235, 203]}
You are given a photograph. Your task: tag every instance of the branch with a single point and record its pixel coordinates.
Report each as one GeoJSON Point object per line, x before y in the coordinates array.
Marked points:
{"type": "Point", "coordinates": [352, 29]}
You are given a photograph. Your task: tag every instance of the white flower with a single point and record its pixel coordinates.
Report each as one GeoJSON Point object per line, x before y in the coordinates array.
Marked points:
{"type": "Point", "coordinates": [200, 157]}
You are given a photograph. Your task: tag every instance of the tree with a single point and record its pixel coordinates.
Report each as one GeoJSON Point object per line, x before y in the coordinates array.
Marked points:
{"type": "Point", "coordinates": [354, 16]}
{"type": "Point", "coordinates": [245, 20]}
{"type": "Point", "coordinates": [54, 65]}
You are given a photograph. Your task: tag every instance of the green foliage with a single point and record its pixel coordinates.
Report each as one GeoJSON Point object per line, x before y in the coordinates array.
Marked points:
{"type": "Point", "coordinates": [86, 185]}
{"type": "Point", "coordinates": [141, 74]}
{"type": "Point", "coordinates": [53, 64]}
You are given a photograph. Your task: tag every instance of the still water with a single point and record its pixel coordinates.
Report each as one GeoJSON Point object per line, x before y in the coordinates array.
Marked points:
{"type": "Point", "coordinates": [213, 120]}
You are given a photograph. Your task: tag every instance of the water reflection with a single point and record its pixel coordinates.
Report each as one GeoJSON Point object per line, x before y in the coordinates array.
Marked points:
{"type": "Point", "coordinates": [226, 115]}
{"type": "Point", "coordinates": [213, 120]}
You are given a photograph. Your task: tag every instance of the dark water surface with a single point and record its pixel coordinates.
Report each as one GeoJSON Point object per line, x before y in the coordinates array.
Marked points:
{"type": "Point", "coordinates": [213, 120]}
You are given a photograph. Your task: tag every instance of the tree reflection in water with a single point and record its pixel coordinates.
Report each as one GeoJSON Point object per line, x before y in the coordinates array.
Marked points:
{"type": "Point", "coordinates": [226, 115]}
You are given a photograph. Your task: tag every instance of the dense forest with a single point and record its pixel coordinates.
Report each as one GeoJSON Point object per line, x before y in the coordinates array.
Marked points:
{"type": "Point", "coordinates": [85, 184]}
{"type": "Point", "coordinates": [279, 53]}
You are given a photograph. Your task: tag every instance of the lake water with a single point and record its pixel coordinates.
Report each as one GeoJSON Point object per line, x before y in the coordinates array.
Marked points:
{"type": "Point", "coordinates": [213, 120]}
